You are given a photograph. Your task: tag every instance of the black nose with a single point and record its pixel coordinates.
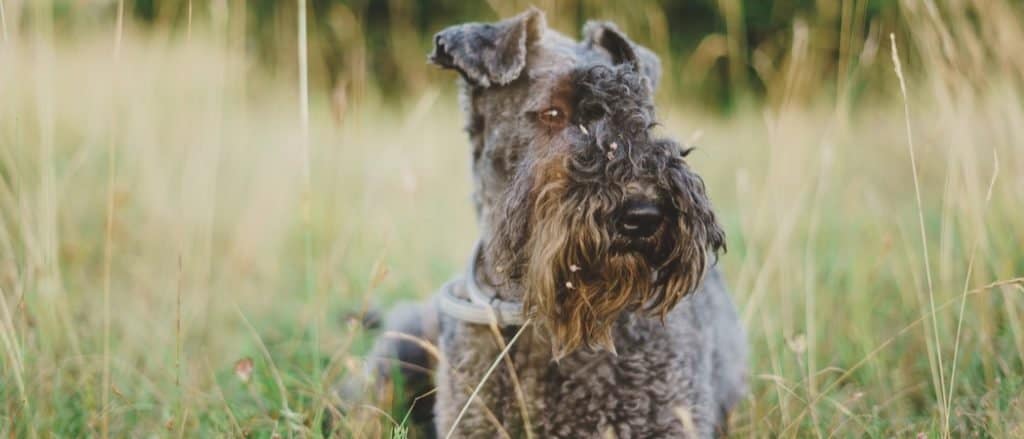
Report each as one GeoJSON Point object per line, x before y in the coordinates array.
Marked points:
{"type": "Point", "coordinates": [640, 220]}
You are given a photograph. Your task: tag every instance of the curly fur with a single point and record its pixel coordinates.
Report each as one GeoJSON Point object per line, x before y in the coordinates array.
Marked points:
{"type": "Point", "coordinates": [634, 336]}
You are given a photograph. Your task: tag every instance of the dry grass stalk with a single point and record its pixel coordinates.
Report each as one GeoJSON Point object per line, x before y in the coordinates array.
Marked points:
{"type": "Point", "coordinates": [937, 347]}
{"type": "Point", "coordinates": [963, 296]}
{"type": "Point", "coordinates": [108, 248]}
{"type": "Point", "coordinates": [483, 380]}
{"type": "Point", "coordinates": [3, 21]}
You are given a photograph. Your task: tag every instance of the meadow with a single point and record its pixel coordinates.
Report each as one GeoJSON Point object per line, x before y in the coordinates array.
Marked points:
{"type": "Point", "coordinates": [182, 246]}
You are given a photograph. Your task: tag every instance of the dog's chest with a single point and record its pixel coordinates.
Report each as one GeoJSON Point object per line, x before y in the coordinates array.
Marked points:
{"type": "Point", "coordinates": [642, 392]}
{"type": "Point", "coordinates": [632, 394]}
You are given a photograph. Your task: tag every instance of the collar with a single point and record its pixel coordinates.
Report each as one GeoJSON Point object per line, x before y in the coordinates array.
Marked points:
{"type": "Point", "coordinates": [479, 304]}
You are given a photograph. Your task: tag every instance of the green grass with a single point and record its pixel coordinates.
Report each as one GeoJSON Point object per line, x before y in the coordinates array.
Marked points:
{"type": "Point", "coordinates": [825, 261]}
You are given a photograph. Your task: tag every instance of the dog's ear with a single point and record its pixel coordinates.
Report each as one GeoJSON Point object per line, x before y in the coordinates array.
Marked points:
{"type": "Point", "coordinates": [489, 54]}
{"type": "Point", "coordinates": [605, 35]}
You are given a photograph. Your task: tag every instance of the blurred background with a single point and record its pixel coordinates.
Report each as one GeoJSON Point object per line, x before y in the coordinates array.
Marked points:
{"type": "Point", "coordinates": [198, 198]}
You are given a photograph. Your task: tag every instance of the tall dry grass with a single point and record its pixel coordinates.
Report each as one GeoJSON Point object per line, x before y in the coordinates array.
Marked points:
{"type": "Point", "coordinates": [234, 251]}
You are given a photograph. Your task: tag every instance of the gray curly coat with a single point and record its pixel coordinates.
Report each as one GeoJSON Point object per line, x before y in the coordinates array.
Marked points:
{"type": "Point", "coordinates": [634, 336]}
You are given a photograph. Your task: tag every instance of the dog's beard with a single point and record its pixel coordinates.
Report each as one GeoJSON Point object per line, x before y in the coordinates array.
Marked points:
{"type": "Point", "coordinates": [578, 300]}
{"type": "Point", "coordinates": [578, 282]}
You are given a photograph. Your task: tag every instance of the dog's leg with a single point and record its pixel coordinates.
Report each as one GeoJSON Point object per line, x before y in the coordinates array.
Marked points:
{"type": "Point", "coordinates": [400, 368]}
{"type": "Point", "coordinates": [405, 357]}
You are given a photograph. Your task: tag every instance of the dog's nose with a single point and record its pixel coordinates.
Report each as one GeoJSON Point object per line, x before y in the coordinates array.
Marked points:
{"type": "Point", "coordinates": [640, 220]}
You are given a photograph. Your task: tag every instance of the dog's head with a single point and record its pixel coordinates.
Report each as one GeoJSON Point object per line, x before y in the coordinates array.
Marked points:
{"type": "Point", "coordinates": [586, 214]}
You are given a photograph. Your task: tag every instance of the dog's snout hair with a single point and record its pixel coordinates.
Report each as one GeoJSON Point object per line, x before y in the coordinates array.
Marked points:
{"type": "Point", "coordinates": [555, 233]}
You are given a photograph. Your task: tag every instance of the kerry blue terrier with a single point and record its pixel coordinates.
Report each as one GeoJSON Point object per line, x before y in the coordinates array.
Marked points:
{"type": "Point", "coordinates": [596, 271]}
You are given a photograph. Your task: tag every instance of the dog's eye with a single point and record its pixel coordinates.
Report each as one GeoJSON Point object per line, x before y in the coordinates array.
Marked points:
{"type": "Point", "coordinates": [552, 116]}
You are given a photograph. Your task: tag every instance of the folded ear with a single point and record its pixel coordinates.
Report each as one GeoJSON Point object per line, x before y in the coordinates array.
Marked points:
{"type": "Point", "coordinates": [605, 35]}
{"type": "Point", "coordinates": [489, 54]}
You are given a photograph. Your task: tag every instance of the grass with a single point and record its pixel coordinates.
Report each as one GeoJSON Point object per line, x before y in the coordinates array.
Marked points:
{"type": "Point", "coordinates": [224, 246]}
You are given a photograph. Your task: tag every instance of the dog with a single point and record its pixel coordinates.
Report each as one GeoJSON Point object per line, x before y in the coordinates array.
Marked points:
{"type": "Point", "coordinates": [593, 304]}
